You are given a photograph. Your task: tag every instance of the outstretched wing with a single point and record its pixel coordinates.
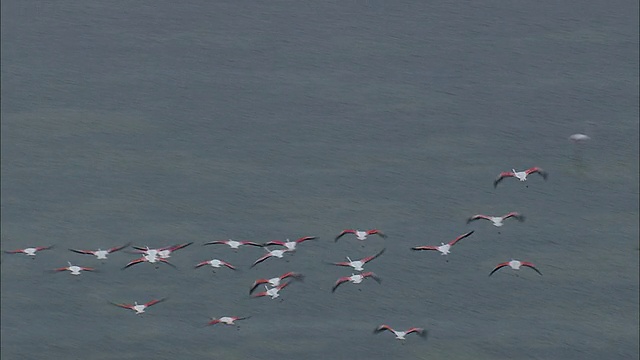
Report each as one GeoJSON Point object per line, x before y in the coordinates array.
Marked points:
{"type": "Point", "coordinates": [537, 170]}
{"type": "Point", "coordinates": [478, 216]}
{"type": "Point", "coordinates": [133, 262]}
{"type": "Point", "coordinates": [124, 306]}
{"type": "Point", "coordinates": [513, 214]}
{"type": "Point", "coordinates": [454, 241]}
{"type": "Point", "coordinates": [292, 274]}
{"type": "Point", "coordinates": [305, 238]}
{"type": "Point", "coordinates": [261, 259]}
{"type": "Point", "coordinates": [502, 175]}
{"type": "Point", "coordinates": [369, 258]}
{"type": "Point", "coordinates": [250, 243]}
{"type": "Point", "coordinates": [373, 276]}
{"type": "Point", "coordinates": [273, 242]}
{"type": "Point", "coordinates": [86, 252]}
{"type": "Point", "coordinates": [117, 248]}
{"type": "Point", "coordinates": [227, 265]}
{"type": "Point", "coordinates": [347, 231]}
{"type": "Point", "coordinates": [256, 283]}
{"type": "Point", "coordinates": [382, 328]}
{"type": "Point", "coordinates": [417, 330]}
{"type": "Point", "coordinates": [498, 267]}
{"type": "Point", "coordinates": [215, 242]}
{"type": "Point", "coordinates": [530, 265]}
{"type": "Point", "coordinates": [376, 231]}
{"type": "Point", "coordinates": [153, 302]}
{"type": "Point", "coordinates": [424, 248]}
{"type": "Point", "coordinates": [339, 282]}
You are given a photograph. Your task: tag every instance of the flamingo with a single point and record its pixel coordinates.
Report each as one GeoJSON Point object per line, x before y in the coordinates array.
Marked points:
{"type": "Point", "coordinates": [215, 263]}
{"type": "Point", "coordinates": [358, 264]}
{"type": "Point", "coordinates": [290, 245]}
{"type": "Point", "coordinates": [270, 253]}
{"type": "Point", "coordinates": [521, 175]}
{"type": "Point", "coordinates": [497, 220]}
{"type": "Point", "coordinates": [515, 265]}
{"type": "Point", "coordinates": [163, 252]}
{"type": "Point", "coordinates": [149, 259]}
{"type": "Point", "coordinates": [100, 254]}
{"type": "Point", "coordinates": [75, 270]}
{"type": "Point", "coordinates": [400, 335]}
{"type": "Point", "coordinates": [274, 292]}
{"type": "Point", "coordinates": [444, 249]}
{"type": "Point", "coordinates": [30, 251]}
{"type": "Point", "coordinates": [356, 279]}
{"type": "Point", "coordinates": [233, 244]}
{"type": "Point", "coordinates": [361, 234]}
{"type": "Point", "coordinates": [228, 320]}
{"type": "Point", "coordinates": [139, 308]}
{"type": "Point", "coordinates": [276, 280]}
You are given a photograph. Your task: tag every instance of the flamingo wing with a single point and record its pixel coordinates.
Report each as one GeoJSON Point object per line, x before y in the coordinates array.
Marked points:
{"type": "Point", "coordinates": [256, 283]}
{"type": "Point", "coordinates": [347, 231]}
{"type": "Point", "coordinates": [178, 247]}
{"type": "Point", "coordinates": [61, 269]}
{"type": "Point", "coordinates": [417, 330]}
{"type": "Point", "coordinates": [376, 231]}
{"type": "Point", "coordinates": [513, 214]}
{"type": "Point", "coordinates": [502, 175]}
{"type": "Point", "coordinates": [113, 249]}
{"type": "Point", "coordinates": [343, 263]}
{"type": "Point", "coordinates": [215, 242]}
{"type": "Point", "coordinates": [166, 262]}
{"type": "Point", "coordinates": [339, 282]}
{"type": "Point", "coordinates": [530, 265]}
{"type": "Point", "coordinates": [250, 243]}
{"type": "Point", "coordinates": [454, 241]}
{"type": "Point", "coordinates": [478, 216]}
{"type": "Point", "coordinates": [202, 263]}
{"type": "Point", "coordinates": [87, 268]}
{"type": "Point", "coordinates": [382, 328]}
{"type": "Point", "coordinates": [133, 262]}
{"type": "Point", "coordinates": [373, 276]}
{"type": "Point", "coordinates": [305, 238]}
{"type": "Point", "coordinates": [498, 267]}
{"type": "Point", "coordinates": [14, 251]}
{"type": "Point", "coordinates": [417, 248]}
{"type": "Point", "coordinates": [153, 302]}
{"type": "Point", "coordinates": [537, 170]}
{"type": "Point", "coordinates": [228, 265]}
{"type": "Point", "coordinates": [124, 306]}
{"type": "Point", "coordinates": [261, 259]}
{"type": "Point", "coordinates": [39, 248]}
{"type": "Point", "coordinates": [213, 322]}
{"type": "Point", "coordinates": [274, 242]}
{"type": "Point", "coordinates": [369, 258]}
{"type": "Point", "coordinates": [86, 252]}
{"type": "Point", "coordinates": [283, 285]}
{"type": "Point", "coordinates": [293, 275]}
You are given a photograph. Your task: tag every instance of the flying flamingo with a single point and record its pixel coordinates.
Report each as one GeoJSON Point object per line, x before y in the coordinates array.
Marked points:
{"type": "Point", "coordinates": [521, 175]}
{"type": "Point", "coordinates": [360, 234]}
{"type": "Point", "coordinates": [276, 280]}
{"type": "Point", "coordinates": [30, 251]}
{"type": "Point", "coordinates": [163, 252]}
{"type": "Point", "coordinates": [515, 265]}
{"type": "Point", "coordinates": [75, 270]}
{"type": "Point", "coordinates": [497, 220]}
{"type": "Point", "coordinates": [215, 263]}
{"type": "Point", "coordinates": [274, 292]}
{"type": "Point", "coordinates": [290, 245]}
{"type": "Point", "coordinates": [270, 253]}
{"type": "Point", "coordinates": [228, 320]}
{"type": "Point", "coordinates": [356, 279]}
{"type": "Point", "coordinates": [233, 244]}
{"type": "Point", "coordinates": [444, 249]}
{"type": "Point", "coordinates": [149, 259]}
{"type": "Point", "coordinates": [400, 335]}
{"type": "Point", "coordinates": [358, 264]}
{"type": "Point", "coordinates": [100, 254]}
{"type": "Point", "coordinates": [139, 308]}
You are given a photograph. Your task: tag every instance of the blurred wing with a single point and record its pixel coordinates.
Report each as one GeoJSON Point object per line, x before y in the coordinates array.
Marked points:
{"type": "Point", "coordinates": [454, 241]}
